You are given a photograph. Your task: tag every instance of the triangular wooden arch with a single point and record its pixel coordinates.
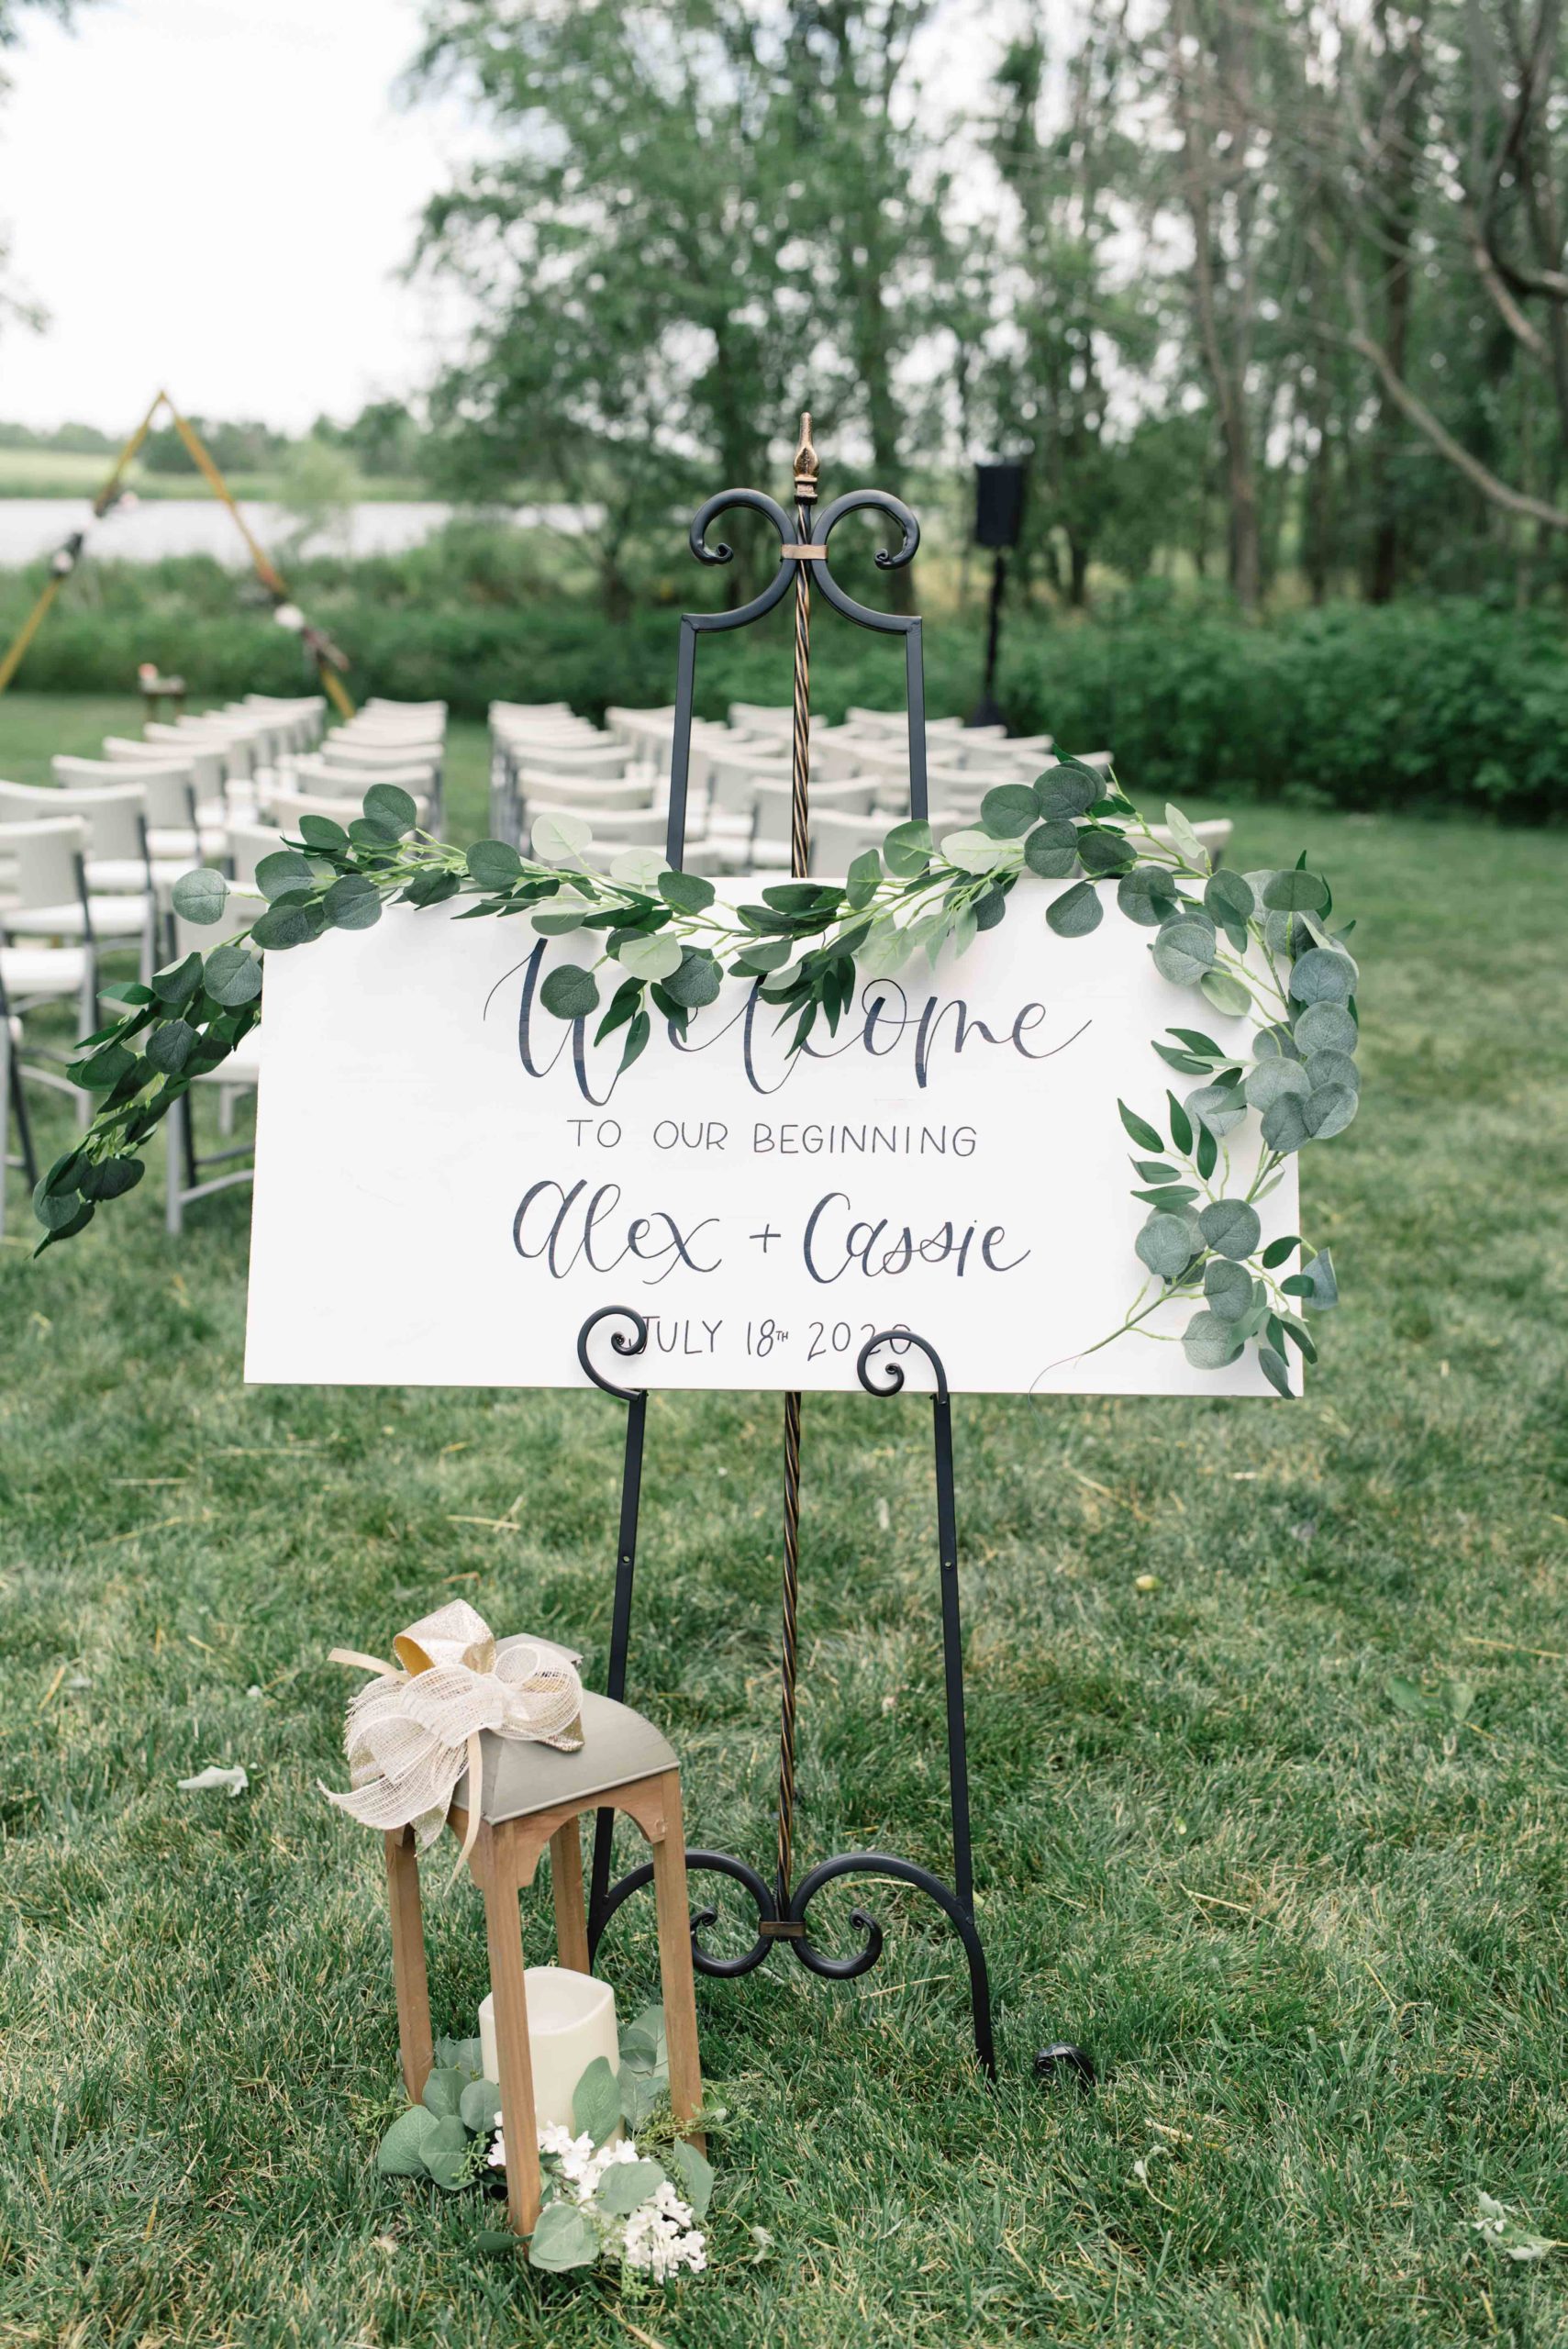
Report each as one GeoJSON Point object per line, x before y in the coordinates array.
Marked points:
{"type": "Point", "coordinates": [328, 660]}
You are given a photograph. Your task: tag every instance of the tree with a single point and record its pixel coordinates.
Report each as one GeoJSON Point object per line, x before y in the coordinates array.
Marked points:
{"type": "Point", "coordinates": [627, 244]}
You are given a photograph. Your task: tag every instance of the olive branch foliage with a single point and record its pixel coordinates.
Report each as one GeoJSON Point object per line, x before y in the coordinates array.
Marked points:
{"type": "Point", "coordinates": [1254, 946]}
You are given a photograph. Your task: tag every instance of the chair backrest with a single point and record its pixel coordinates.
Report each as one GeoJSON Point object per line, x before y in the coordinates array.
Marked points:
{"type": "Point", "coordinates": [760, 717]}
{"type": "Point", "coordinates": [237, 750]}
{"type": "Point", "coordinates": [44, 857]}
{"type": "Point", "coordinates": [116, 818]}
{"type": "Point", "coordinates": [168, 788]}
{"type": "Point", "coordinates": [617, 827]}
{"type": "Point", "coordinates": [735, 777]}
{"type": "Point", "coordinates": [371, 755]}
{"type": "Point", "coordinates": [585, 791]}
{"type": "Point", "coordinates": [207, 767]}
{"type": "Point", "coordinates": [352, 782]}
{"type": "Point", "coordinates": [426, 708]}
{"type": "Point", "coordinates": [607, 761]}
{"type": "Point", "coordinates": [833, 799]}
{"type": "Point", "coordinates": [837, 841]}
{"type": "Point", "coordinates": [287, 806]}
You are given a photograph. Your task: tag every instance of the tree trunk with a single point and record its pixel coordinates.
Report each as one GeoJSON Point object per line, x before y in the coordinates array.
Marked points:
{"type": "Point", "coordinates": [1397, 232]}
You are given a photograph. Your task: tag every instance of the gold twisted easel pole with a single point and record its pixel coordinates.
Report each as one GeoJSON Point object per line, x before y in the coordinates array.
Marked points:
{"type": "Point", "coordinates": [806, 464]}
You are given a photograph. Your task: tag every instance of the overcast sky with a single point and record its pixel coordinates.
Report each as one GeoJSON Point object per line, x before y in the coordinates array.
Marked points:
{"type": "Point", "coordinates": [215, 195]}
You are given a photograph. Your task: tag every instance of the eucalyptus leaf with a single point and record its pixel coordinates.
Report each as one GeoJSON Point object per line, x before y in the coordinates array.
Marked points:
{"type": "Point", "coordinates": [1323, 975]}
{"type": "Point", "coordinates": [388, 803]}
{"type": "Point", "coordinates": [689, 893]}
{"type": "Point", "coordinates": [1275, 1369]}
{"type": "Point", "coordinates": [494, 864]}
{"type": "Point", "coordinates": [1167, 1243]}
{"type": "Point", "coordinates": [649, 958]}
{"type": "Point", "coordinates": [696, 981]}
{"type": "Point", "coordinates": [320, 831]}
{"type": "Point", "coordinates": [907, 850]}
{"type": "Point", "coordinates": [443, 2091]}
{"type": "Point", "coordinates": [1284, 1123]}
{"type": "Point", "coordinates": [1218, 1107]}
{"type": "Point", "coordinates": [1141, 1131]}
{"type": "Point", "coordinates": [1104, 853]}
{"type": "Point", "coordinates": [353, 903]}
{"type": "Point", "coordinates": [1184, 951]}
{"type": "Point", "coordinates": [1184, 838]}
{"type": "Point", "coordinates": [179, 982]}
{"type": "Point", "coordinates": [1272, 1080]}
{"type": "Point", "coordinates": [479, 2106]}
{"type": "Point", "coordinates": [596, 2102]}
{"type": "Point", "coordinates": [400, 2152]}
{"type": "Point", "coordinates": [285, 870]}
{"type": "Point", "coordinates": [1228, 1287]}
{"type": "Point", "coordinates": [1329, 1110]}
{"type": "Point", "coordinates": [641, 867]}
{"type": "Point", "coordinates": [694, 2174]}
{"type": "Point", "coordinates": [1296, 891]}
{"type": "Point", "coordinates": [1321, 1028]}
{"type": "Point", "coordinates": [1051, 849]}
{"type": "Point", "coordinates": [1319, 1271]}
{"type": "Point", "coordinates": [1076, 912]}
{"type": "Point", "coordinates": [1147, 894]}
{"type": "Point", "coordinates": [1067, 790]}
{"type": "Point", "coordinates": [562, 2239]}
{"type": "Point", "coordinates": [976, 851]}
{"type": "Point", "coordinates": [1226, 994]}
{"type": "Point", "coordinates": [200, 896]}
{"type": "Point", "coordinates": [232, 976]}
{"type": "Point", "coordinates": [1008, 812]}
{"type": "Point", "coordinates": [1328, 1068]}
{"type": "Point", "coordinates": [557, 839]}
{"type": "Point", "coordinates": [170, 1046]}
{"type": "Point", "coordinates": [1209, 1342]}
{"type": "Point", "coordinates": [625, 2185]}
{"type": "Point", "coordinates": [1229, 898]}
{"type": "Point", "coordinates": [570, 992]}
{"type": "Point", "coordinates": [1230, 1227]}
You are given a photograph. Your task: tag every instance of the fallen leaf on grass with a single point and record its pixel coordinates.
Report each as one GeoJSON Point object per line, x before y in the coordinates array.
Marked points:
{"type": "Point", "coordinates": [233, 1782]}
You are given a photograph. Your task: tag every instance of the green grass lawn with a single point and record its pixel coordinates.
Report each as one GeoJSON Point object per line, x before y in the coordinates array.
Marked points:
{"type": "Point", "coordinates": [1315, 1940]}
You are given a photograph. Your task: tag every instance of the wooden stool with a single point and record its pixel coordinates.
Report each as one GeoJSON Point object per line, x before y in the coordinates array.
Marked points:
{"type": "Point", "coordinates": [531, 1795]}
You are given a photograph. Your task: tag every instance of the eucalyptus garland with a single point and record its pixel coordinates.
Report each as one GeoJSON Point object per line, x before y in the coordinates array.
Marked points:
{"type": "Point", "coordinates": [1254, 946]}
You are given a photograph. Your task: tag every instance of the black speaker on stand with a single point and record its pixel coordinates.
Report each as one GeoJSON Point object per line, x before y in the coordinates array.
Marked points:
{"type": "Point", "coordinates": [998, 520]}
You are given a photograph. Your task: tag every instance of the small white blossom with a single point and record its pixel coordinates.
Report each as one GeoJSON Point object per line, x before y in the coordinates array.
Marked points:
{"type": "Point", "coordinates": [659, 2238]}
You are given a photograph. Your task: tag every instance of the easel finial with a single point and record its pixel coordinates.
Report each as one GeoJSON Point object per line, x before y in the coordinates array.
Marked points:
{"type": "Point", "coordinates": [806, 462]}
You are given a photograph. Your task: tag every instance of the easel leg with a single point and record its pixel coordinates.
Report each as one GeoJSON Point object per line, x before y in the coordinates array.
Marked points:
{"type": "Point", "coordinates": [676, 1960]}
{"type": "Point", "coordinates": [408, 1976]}
{"type": "Point", "coordinates": [503, 1934]}
{"type": "Point", "coordinates": [566, 1885]}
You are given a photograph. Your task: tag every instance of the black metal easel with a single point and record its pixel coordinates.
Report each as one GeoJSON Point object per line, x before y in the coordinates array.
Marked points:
{"type": "Point", "coordinates": [781, 1906]}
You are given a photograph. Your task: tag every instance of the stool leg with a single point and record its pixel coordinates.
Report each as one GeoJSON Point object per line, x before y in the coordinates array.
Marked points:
{"type": "Point", "coordinates": [566, 1883]}
{"type": "Point", "coordinates": [408, 1976]}
{"type": "Point", "coordinates": [675, 1960]}
{"type": "Point", "coordinates": [503, 1932]}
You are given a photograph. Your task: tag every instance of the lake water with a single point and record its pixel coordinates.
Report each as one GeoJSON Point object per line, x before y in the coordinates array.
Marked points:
{"type": "Point", "coordinates": [32, 527]}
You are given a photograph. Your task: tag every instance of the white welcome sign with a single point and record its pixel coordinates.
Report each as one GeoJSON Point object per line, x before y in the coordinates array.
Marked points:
{"type": "Point", "coordinates": [474, 1178]}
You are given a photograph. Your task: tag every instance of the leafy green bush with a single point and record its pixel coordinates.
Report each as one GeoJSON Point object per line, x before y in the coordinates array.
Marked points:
{"type": "Point", "coordinates": [1455, 703]}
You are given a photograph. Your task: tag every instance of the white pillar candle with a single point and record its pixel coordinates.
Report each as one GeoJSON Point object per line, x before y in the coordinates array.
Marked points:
{"type": "Point", "coordinates": [571, 2019]}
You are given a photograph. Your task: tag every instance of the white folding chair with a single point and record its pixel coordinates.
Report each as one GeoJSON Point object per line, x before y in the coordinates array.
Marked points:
{"type": "Point", "coordinates": [118, 905]}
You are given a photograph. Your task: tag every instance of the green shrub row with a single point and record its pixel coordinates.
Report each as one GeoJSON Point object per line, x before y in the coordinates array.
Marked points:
{"type": "Point", "coordinates": [1452, 704]}
{"type": "Point", "coordinates": [1431, 704]}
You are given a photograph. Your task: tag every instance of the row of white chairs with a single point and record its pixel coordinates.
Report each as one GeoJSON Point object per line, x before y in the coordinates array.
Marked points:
{"type": "Point", "coordinates": [88, 864]}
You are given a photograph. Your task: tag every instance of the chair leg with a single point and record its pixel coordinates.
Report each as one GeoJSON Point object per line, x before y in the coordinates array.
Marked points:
{"type": "Point", "coordinates": [673, 1912]}
{"type": "Point", "coordinates": [503, 1934]}
{"type": "Point", "coordinates": [174, 1174]}
{"type": "Point", "coordinates": [566, 1884]}
{"type": "Point", "coordinates": [409, 1978]}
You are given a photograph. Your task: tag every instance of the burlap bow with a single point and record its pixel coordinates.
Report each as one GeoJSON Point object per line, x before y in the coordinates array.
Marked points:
{"type": "Point", "coordinates": [413, 1731]}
